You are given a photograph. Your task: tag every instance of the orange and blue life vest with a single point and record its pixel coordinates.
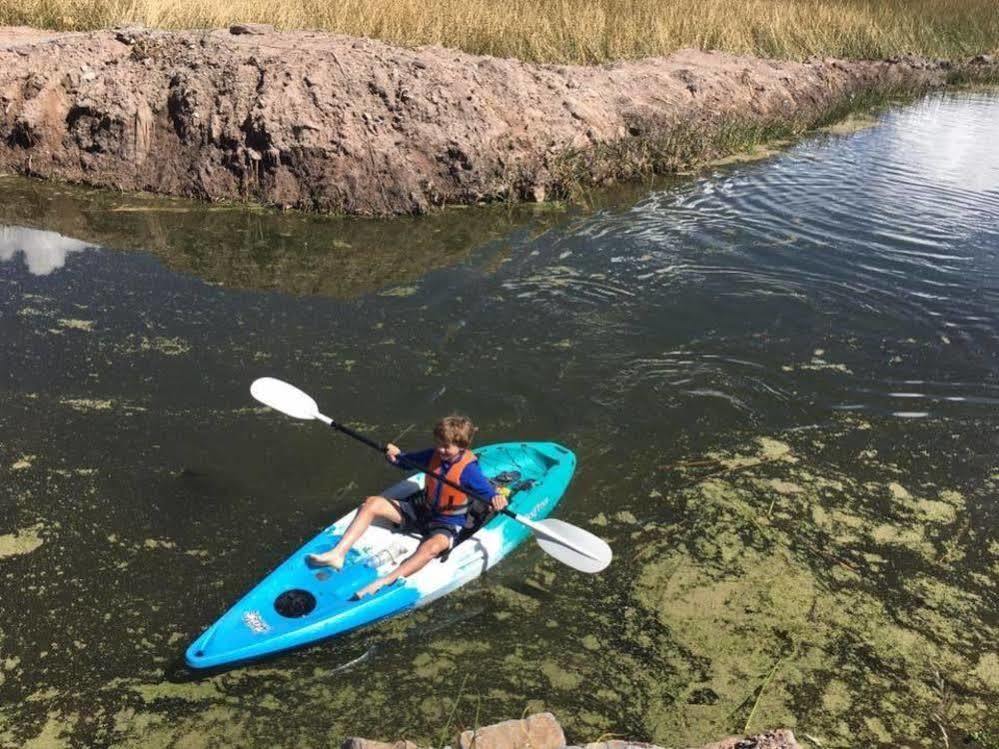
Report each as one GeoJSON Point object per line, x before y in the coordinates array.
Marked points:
{"type": "Point", "coordinates": [445, 499]}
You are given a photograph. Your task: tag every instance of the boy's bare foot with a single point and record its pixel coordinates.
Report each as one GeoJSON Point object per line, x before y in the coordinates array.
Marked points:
{"type": "Point", "coordinates": [330, 558]}
{"type": "Point", "coordinates": [370, 589]}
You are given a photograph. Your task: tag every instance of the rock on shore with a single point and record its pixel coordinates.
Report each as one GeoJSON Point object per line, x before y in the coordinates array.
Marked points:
{"type": "Point", "coordinates": [338, 124]}
{"type": "Point", "coordinates": [542, 731]}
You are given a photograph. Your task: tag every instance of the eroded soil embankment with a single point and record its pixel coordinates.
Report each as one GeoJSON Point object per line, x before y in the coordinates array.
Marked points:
{"type": "Point", "coordinates": [332, 123]}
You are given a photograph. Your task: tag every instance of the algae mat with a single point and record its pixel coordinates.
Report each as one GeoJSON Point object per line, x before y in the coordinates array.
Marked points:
{"type": "Point", "coordinates": [804, 579]}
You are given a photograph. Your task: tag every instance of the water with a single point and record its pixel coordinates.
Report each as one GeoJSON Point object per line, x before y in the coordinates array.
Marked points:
{"type": "Point", "coordinates": [779, 378]}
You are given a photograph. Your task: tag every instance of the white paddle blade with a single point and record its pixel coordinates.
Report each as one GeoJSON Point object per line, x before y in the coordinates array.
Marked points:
{"type": "Point", "coordinates": [285, 398]}
{"type": "Point", "coordinates": [573, 546]}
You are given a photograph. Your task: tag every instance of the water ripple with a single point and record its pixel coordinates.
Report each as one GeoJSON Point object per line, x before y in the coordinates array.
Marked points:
{"type": "Point", "coordinates": [885, 241]}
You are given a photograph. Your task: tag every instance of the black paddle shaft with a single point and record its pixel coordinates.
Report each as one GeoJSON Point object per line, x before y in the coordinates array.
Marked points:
{"type": "Point", "coordinates": [412, 466]}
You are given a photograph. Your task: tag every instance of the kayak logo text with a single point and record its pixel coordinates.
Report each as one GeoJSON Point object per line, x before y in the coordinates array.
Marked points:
{"type": "Point", "coordinates": [255, 622]}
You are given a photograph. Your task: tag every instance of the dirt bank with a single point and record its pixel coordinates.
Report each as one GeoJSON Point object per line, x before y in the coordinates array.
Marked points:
{"type": "Point", "coordinates": [337, 124]}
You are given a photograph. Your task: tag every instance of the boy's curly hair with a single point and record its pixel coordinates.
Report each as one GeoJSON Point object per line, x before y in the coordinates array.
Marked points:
{"type": "Point", "coordinates": [455, 430]}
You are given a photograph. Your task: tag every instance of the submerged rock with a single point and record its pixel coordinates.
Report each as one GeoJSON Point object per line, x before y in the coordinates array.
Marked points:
{"type": "Point", "coordinates": [542, 731]}
{"type": "Point", "coordinates": [358, 743]}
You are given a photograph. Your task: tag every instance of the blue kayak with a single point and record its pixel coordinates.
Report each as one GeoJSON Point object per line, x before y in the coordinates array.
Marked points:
{"type": "Point", "coordinates": [297, 605]}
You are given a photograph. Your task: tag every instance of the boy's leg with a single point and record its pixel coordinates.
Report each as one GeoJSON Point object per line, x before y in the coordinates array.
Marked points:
{"type": "Point", "coordinates": [371, 509]}
{"type": "Point", "coordinates": [430, 548]}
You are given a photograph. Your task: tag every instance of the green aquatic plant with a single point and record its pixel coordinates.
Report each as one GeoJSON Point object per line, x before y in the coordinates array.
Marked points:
{"type": "Point", "coordinates": [843, 582]}
{"type": "Point", "coordinates": [657, 147]}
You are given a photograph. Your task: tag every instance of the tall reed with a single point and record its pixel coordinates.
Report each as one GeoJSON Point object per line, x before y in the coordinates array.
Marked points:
{"type": "Point", "coordinates": [575, 31]}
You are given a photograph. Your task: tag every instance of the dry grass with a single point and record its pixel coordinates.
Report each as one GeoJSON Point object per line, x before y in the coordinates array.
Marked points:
{"type": "Point", "coordinates": [577, 31]}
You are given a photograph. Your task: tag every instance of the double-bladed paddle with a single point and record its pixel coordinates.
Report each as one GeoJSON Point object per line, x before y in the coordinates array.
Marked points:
{"type": "Point", "coordinates": [570, 545]}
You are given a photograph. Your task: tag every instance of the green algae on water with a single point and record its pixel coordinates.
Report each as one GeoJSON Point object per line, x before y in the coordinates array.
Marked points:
{"type": "Point", "coordinates": [87, 404]}
{"type": "Point", "coordinates": [24, 462]}
{"type": "Point", "coordinates": [20, 542]}
{"type": "Point", "coordinates": [74, 324]}
{"type": "Point", "coordinates": [773, 616]}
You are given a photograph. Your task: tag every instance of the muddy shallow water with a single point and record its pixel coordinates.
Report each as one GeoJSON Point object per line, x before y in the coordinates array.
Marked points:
{"type": "Point", "coordinates": [779, 378]}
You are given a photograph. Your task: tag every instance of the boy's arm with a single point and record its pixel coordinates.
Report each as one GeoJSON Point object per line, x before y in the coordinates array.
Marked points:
{"type": "Point", "coordinates": [474, 481]}
{"type": "Point", "coordinates": [421, 458]}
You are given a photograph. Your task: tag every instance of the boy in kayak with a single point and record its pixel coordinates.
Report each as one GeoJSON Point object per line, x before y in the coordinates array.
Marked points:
{"type": "Point", "coordinates": [438, 512]}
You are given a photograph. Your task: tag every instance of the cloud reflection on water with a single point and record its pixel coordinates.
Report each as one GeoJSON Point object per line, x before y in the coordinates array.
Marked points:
{"type": "Point", "coordinates": [44, 251]}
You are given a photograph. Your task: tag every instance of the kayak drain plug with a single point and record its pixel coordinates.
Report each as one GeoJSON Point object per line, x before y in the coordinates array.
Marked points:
{"type": "Point", "coordinates": [295, 603]}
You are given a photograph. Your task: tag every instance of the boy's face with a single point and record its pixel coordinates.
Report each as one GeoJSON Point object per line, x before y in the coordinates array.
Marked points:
{"type": "Point", "coordinates": [447, 451]}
